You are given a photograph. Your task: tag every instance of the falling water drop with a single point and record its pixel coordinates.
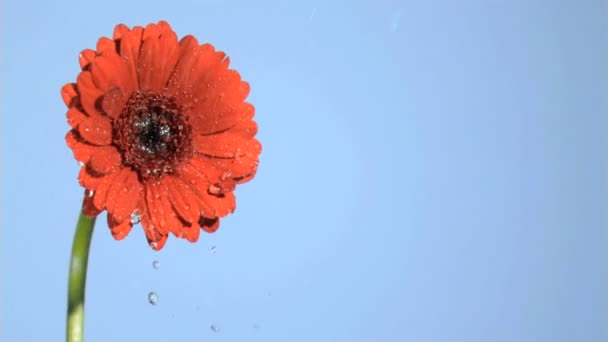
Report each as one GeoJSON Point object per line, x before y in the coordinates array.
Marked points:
{"type": "Point", "coordinates": [152, 298]}
{"type": "Point", "coordinates": [214, 328]}
{"type": "Point", "coordinates": [213, 249]}
{"type": "Point", "coordinates": [156, 264]}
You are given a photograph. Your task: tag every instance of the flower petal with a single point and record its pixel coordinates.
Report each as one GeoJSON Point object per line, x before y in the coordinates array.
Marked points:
{"type": "Point", "coordinates": [186, 208]}
{"type": "Point", "coordinates": [104, 45]}
{"type": "Point", "coordinates": [82, 150]}
{"type": "Point", "coordinates": [101, 193]}
{"type": "Point", "coordinates": [226, 145]}
{"type": "Point", "coordinates": [157, 60]}
{"type": "Point", "coordinates": [130, 44]}
{"type": "Point", "coordinates": [192, 232]}
{"type": "Point", "coordinates": [96, 130]}
{"type": "Point", "coordinates": [109, 71]}
{"type": "Point", "coordinates": [188, 56]}
{"type": "Point", "coordinates": [88, 209]}
{"type": "Point", "coordinates": [105, 159]}
{"type": "Point", "coordinates": [156, 239]}
{"type": "Point", "coordinates": [89, 179]}
{"type": "Point", "coordinates": [119, 229]}
{"type": "Point", "coordinates": [69, 94]}
{"type": "Point", "coordinates": [119, 31]}
{"type": "Point", "coordinates": [75, 117]}
{"type": "Point", "coordinates": [113, 102]}
{"type": "Point", "coordinates": [88, 92]}
{"type": "Point", "coordinates": [210, 225]}
{"type": "Point", "coordinates": [86, 58]}
{"type": "Point", "coordinates": [124, 194]}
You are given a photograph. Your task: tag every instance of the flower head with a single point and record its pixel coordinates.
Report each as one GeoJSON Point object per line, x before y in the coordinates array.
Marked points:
{"type": "Point", "coordinates": [163, 131]}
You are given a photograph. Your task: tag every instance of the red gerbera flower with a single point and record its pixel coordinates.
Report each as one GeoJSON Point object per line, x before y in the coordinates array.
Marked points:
{"type": "Point", "coordinates": [163, 132]}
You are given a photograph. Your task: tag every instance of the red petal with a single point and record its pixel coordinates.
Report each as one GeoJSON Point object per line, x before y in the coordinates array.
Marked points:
{"type": "Point", "coordinates": [226, 145]}
{"type": "Point", "coordinates": [119, 229]}
{"type": "Point", "coordinates": [119, 31]}
{"type": "Point", "coordinates": [124, 195]}
{"type": "Point", "coordinates": [96, 130]}
{"type": "Point", "coordinates": [88, 92]}
{"type": "Point", "coordinates": [215, 173]}
{"type": "Point", "coordinates": [209, 225]}
{"type": "Point", "coordinates": [194, 184]}
{"type": "Point", "coordinates": [88, 209]}
{"type": "Point", "coordinates": [86, 58]}
{"type": "Point", "coordinates": [157, 61]}
{"type": "Point", "coordinates": [81, 150]}
{"type": "Point", "coordinates": [185, 208]}
{"type": "Point", "coordinates": [188, 56]}
{"type": "Point", "coordinates": [110, 71]}
{"type": "Point", "coordinates": [75, 117]}
{"type": "Point", "coordinates": [104, 45]}
{"type": "Point", "coordinates": [101, 193]}
{"type": "Point", "coordinates": [88, 180]}
{"type": "Point", "coordinates": [104, 160]}
{"type": "Point", "coordinates": [130, 44]}
{"type": "Point", "coordinates": [192, 232]}
{"type": "Point", "coordinates": [158, 206]}
{"type": "Point", "coordinates": [68, 93]}
{"type": "Point", "coordinates": [155, 238]}
{"type": "Point", "coordinates": [113, 102]}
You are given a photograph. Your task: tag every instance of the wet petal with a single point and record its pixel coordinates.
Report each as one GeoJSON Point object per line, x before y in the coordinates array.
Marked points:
{"type": "Point", "coordinates": [119, 229]}
{"type": "Point", "coordinates": [68, 94]}
{"type": "Point", "coordinates": [86, 58]}
{"type": "Point", "coordinates": [124, 195]}
{"type": "Point", "coordinates": [210, 225]}
{"type": "Point", "coordinates": [104, 160]}
{"type": "Point", "coordinates": [113, 102]}
{"type": "Point", "coordinates": [96, 130]}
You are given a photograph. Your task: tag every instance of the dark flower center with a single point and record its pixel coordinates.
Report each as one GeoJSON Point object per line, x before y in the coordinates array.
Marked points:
{"type": "Point", "coordinates": [152, 134]}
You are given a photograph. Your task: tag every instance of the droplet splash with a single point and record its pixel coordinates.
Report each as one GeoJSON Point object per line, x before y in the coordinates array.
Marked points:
{"type": "Point", "coordinates": [214, 328]}
{"type": "Point", "coordinates": [156, 264]}
{"type": "Point", "coordinates": [152, 298]}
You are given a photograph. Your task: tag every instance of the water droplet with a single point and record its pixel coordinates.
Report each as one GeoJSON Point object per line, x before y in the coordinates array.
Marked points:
{"type": "Point", "coordinates": [227, 174]}
{"type": "Point", "coordinates": [214, 328]}
{"type": "Point", "coordinates": [256, 326]}
{"type": "Point", "coordinates": [152, 298]}
{"type": "Point", "coordinates": [81, 164]}
{"type": "Point", "coordinates": [213, 249]}
{"type": "Point", "coordinates": [162, 222]}
{"type": "Point", "coordinates": [135, 218]}
{"type": "Point", "coordinates": [153, 244]}
{"type": "Point", "coordinates": [90, 193]}
{"type": "Point", "coordinates": [156, 264]}
{"type": "Point", "coordinates": [214, 189]}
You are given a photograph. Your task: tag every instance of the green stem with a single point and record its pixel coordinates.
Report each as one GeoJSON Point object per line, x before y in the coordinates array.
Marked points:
{"type": "Point", "coordinates": [78, 278]}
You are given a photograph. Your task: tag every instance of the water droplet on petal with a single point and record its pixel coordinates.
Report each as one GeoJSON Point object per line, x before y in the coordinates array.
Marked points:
{"type": "Point", "coordinates": [152, 298]}
{"type": "Point", "coordinates": [90, 193]}
{"type": "Point", "coordinates": [215, 189]}
{"type": "Point", "coordinates": [225, 175]}
{"type": "Point", "coordinates": [154, 244]}
{"type": "Point", "coordinates": [214, 328]}
{"type": "Point", "coordinates": [135, 218]}
{"type": "Point", "coordinates": [81, 164]}
{"type": "Point", "coordinates": [156, 264]}
{"type": "Point", "coordinates": [162, 222]}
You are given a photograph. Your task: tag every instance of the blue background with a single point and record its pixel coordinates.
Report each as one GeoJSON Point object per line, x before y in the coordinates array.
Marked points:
{"type": "Point", "coordinates": [431, 171]}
